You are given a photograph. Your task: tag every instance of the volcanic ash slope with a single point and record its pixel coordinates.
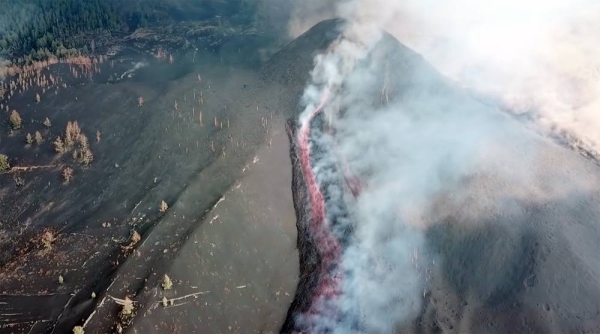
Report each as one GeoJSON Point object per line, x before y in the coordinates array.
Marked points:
{"type": "Point", "coordinates": [511, 225]}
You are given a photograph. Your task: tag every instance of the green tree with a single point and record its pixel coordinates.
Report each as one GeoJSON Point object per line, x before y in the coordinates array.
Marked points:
{"type": "Point", "coordinates": [4, 165]}
{"type": "Point", "coordinates": [15, 120]}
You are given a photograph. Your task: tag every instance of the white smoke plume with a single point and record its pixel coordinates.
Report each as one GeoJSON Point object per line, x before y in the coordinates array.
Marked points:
{"type": "Point", "coordinates": [136, 66]}
{"type": "Point", "coordinates": [539, 58]}
{"type": "Point", "coordinates": [382, 282]}
{"type": "Point", "coordinates": [410, 152]}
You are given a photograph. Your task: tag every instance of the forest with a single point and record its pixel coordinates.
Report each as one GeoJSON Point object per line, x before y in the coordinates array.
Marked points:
{"type": "Point", "coordinates": [37, 29]}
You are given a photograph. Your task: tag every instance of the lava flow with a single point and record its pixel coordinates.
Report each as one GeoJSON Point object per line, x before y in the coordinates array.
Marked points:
{"type": "Point", "coordinates": [328, 246]}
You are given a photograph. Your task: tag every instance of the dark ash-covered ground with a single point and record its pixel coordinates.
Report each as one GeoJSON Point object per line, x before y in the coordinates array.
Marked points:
{"type": "Point", "coordinates": [148, 154]}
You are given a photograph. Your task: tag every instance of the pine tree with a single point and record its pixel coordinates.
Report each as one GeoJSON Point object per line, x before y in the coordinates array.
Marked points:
{"type": "Point", "coordinates": [15, 120]}
{"type": "Point", "coordinates": [163, 207]}
{"type": "Point", "coordinates": [67, 174]}
{"type": "Point", "coordinates": [86, 156]}
{"type": "Point", "coordinates": [59, 145]}
{"type": "Point", "coordinates": [38, 138]}
{"type": "Point", "coordinates": [4, 165]}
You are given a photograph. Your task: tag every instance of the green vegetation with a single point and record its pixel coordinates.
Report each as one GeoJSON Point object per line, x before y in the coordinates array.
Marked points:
{"type": "Point", "coordinates": [59, 145]}
{"type": "Point", "coordinates": [167, 283]}
{"type": "Point", "coordinates": [33, 30]}
{"type": "Point", "coordinates": [163, 207]}
{"type": "Point", "coordinates": [38, 29]}
{"type": "Point", "coordinates": [15, 120]}
{"type": "Point", "coordinates": [4, 165]}
{"type": "Point", "coordinates": [127, 310]}
{"type": "Point", "coordinates": [76, 140]}
{"type": "Point", "coordinates": [38, 138]}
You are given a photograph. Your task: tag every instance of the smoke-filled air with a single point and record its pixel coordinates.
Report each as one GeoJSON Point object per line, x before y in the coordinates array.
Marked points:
{"type": "Point", "coordinates": [431, 153]}
{"type": "Point", "coordinates": [540, 59]}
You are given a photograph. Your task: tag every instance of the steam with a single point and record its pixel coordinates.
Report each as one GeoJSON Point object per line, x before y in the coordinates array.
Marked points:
{"type": "Point", "coordinates": [411, 151]}
{"type": "Point", "coordinates": [382, 283]}
{"type": "Point", "coordinates": [538, 58]}
{"type": "Point", "coordinates": [136, 66]}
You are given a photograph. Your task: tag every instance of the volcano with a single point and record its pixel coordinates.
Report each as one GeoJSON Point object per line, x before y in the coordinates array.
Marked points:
{"type": "Point", "coordinates": [258, 234]}
{"type": "Point", "coordinates": [501, 254]}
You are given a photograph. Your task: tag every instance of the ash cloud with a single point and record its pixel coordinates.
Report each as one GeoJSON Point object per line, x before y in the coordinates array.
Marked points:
{"type": "Point", "coordinates": [431, 152]}
{"type": "Point", "coordinates": [539, 59]}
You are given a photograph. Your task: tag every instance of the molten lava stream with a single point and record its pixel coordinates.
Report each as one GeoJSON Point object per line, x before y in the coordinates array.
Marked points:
{"type": "Point", "coordinates": [328, 246]}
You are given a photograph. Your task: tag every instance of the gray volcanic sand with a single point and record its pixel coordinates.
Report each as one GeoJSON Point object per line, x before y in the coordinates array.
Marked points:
{"type": "Point", "coordinates": [146, 154]}
{"type": "Point", "coordinates": [242, 256]}
{"type": "Point", "coordinates": [255, 116]}
{"type": "Point", "coordinates": [519, 253]}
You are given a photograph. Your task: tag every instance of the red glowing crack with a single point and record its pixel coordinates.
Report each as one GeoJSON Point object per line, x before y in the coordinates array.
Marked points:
{"type": "Point", "coordinates": [328, 286]}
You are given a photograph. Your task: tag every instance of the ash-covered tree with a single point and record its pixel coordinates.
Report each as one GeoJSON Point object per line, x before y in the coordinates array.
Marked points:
{"type": "Point", "coordinates": [86, 157]}
{"type": "Point", "coordinates": [4, 165]}
{"type": "Point", "coordinates": [59, 145]}
{"type": "Point", "coordinates": [15, 120]}
{"type": "Point", "coordinates": [38, 138]}
{"type": "Point", "coordinates": [163, 207]}
{"type": "Point", "coordinates": [72, 133]}
{"type": "Point", "coordinates": [67, 174]}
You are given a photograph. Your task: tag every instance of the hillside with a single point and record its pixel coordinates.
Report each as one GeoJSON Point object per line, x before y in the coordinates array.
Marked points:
{"type": "Point", "coordinates": [512, 207]}
{"type": "Point", "coordinates": [509, 246]}
{"type": "Point", "coordinates": [33, 30]}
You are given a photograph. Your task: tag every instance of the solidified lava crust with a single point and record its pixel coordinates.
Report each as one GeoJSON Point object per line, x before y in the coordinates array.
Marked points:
{"type": "Point", "coordinates": [323, 223]}
{"type": "Point", "coordinates": [310, 259]}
